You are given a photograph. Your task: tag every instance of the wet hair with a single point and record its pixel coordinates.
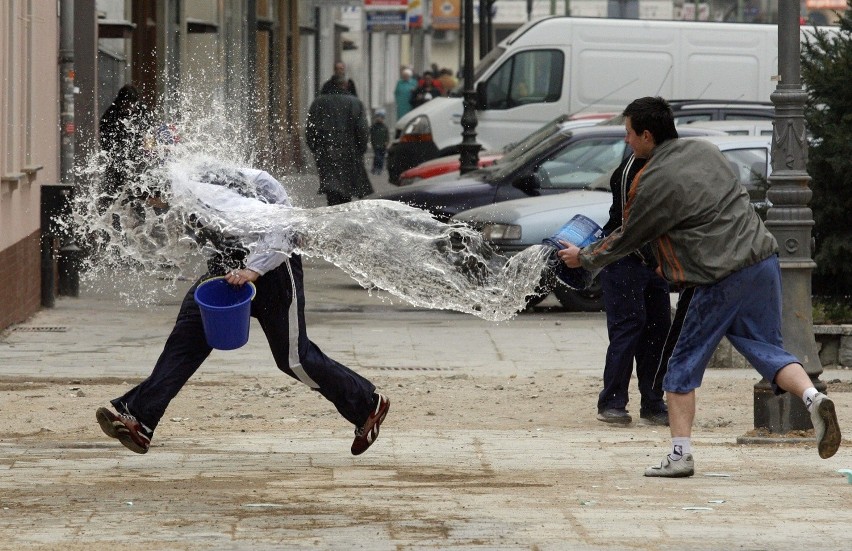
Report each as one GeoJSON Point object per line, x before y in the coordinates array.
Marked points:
{"type": "Point", "coordinates": [653, 114]}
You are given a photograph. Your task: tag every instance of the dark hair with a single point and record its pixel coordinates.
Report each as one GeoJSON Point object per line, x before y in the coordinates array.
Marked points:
{"type": "Point", "coordinates": [654, 115]}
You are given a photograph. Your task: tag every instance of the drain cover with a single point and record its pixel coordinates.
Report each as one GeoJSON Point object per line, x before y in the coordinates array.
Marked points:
{"type": "Point", "coordinates": [36, 329]}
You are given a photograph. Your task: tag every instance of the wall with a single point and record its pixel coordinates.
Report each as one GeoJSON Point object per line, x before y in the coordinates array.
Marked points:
{"type": "Point", "coordinates": [29, 146]}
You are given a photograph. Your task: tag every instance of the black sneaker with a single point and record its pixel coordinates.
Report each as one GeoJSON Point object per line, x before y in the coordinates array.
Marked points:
{"type": "Point", "coordinates": [367, 434]}
{"type": "Point", "coordinates": [615, 416]}
{"type": "Point", "coordinates": [658, 418]}
{"type": "Point", "coordinates": [126, 428]}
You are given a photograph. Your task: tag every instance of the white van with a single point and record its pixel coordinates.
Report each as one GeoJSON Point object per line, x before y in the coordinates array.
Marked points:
{"type": "Point", "coordinates": [560, 65]}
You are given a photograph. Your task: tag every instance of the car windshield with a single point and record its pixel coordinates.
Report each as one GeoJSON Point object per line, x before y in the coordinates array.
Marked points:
{"type": "Point", "coordinates": [517, 148]}
{"type": "Point", "coordinates": [522, 156]}
{"type": "Point", "coordinates": [580, 163]}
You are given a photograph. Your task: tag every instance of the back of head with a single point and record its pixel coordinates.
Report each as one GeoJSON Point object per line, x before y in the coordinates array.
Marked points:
{"type": "Point", "coordinates": [407, 74]}
{"type": "Point", "coordinates": [340, 82]}
{"type": "Point", "coordinates": [654, 115]}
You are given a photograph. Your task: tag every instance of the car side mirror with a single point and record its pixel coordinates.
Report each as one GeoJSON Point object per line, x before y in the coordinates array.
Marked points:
{"type": "Point", "coordinates": [481, 95]}
{"type": "Point", "coordinates": [529, 184]}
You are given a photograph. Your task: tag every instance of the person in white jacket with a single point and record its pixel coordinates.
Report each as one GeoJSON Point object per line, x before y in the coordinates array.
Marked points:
{"type": "Point", "coordinates": [279, 307]}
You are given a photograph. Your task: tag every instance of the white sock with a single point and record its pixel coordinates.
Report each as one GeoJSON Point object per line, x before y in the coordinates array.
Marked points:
{"type": "Point", "coordinates": [808, 396]}
{"type": "Point", "coordinates": [681, 445]}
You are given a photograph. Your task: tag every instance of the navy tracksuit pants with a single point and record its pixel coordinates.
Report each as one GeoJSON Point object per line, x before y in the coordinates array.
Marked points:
{"type": "Point", "coordinates": [279, 306]}
{"type": "Point", "coordinates": [638, 317]}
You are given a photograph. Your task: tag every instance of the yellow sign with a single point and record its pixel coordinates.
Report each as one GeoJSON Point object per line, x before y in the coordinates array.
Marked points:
{"type": "Point", "coordinates": [446, 14]}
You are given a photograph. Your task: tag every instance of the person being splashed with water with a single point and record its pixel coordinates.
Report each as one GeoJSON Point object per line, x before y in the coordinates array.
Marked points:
{"type": "Point", "coordinates": [279, 306]}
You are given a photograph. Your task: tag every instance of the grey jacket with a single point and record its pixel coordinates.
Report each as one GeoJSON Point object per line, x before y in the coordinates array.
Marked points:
{"type": "Point", "coordinates": [689, 203]}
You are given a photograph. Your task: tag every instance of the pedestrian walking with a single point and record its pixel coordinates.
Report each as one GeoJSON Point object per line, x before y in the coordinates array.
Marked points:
{"type": "Point", "coordinates": [402, 92]}
{"type": "Point", "coordinates": [708, 240]}
{"type": "Point", "coordinates": [638, 316]}
{"type": "Point", "coordinates": [340, 72]}
{"type": "Point", "coordinates": [279, 306]}
{"type": "Point", "coordinates": [337, 133]}
{"type": "Point", "coordinates": [379, 139]}
{"type": "Point", "coordinates": [122, 129]}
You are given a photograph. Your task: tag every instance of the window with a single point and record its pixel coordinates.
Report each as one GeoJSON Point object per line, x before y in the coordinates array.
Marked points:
{"type": "Point", "coordinates": [579, 164]}
{"type": "Point", "coordinates": [750, 167]}
{"type": "Point", "coordinates": [533, 76]}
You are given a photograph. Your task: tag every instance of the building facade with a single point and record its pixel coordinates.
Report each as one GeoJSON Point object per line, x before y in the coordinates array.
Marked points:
{"type": "Point", "coordinates": [29, 147]}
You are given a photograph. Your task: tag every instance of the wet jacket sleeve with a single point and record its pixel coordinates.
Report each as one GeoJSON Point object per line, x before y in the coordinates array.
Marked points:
{"type": "Point", "coordinates": [646, 216]}
{"type": "Point", "coordinates": [262, 260]}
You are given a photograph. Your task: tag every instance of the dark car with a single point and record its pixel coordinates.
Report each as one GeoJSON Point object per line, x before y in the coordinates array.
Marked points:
{"type": "Point", "coordinates": [564, 161]}
{"type": "Point", "coordinates": [414, 144]}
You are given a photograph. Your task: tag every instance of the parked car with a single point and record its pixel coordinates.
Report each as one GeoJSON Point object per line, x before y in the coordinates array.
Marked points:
{"type": "Point", "coordinates": [567, 160]}
{"type": "Point", "coordinates": [512, 226]}
{"type": "Point", "coordinates": [688, 111]}
{"type": "Point", "coordinates": [738, 127]}
{"type": "Point", "coordinates": [450, 165]}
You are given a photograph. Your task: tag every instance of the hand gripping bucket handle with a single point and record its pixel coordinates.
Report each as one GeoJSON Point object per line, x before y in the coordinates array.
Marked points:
{"type": "Point", "coordinates": [225, 312]}
{"type": "Point", "coordinates": [580, 231]}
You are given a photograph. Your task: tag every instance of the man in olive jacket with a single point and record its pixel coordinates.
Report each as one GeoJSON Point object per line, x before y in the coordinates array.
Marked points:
{"type": "Point", "coordinates": [710, 242]}
{"type": "Point", "coordinates": [337, 135]}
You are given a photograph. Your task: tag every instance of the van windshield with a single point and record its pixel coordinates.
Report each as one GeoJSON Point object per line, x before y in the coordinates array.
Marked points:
{"type": "Point", "coordinates": [480, 68]}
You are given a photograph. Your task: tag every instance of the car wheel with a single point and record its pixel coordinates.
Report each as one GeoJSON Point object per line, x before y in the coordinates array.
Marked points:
{"type": "Point", "coordinates": [588, 300]}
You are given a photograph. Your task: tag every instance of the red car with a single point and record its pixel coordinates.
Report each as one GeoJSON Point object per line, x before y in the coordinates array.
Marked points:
{"type": "Point", "coordinates": [443, 165]}
{"type": "Point", "coordinates": [451, 163]}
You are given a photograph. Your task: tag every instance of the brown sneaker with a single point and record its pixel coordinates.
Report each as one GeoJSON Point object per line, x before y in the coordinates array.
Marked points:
{"type": "Point", "coordinates": [124, 427]}
{"type": "Point", "coordinates": [366, 435]}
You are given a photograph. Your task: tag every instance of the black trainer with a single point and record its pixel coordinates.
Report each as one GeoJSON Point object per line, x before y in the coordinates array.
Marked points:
{"type": "Point", "coordinates": [615, 416]}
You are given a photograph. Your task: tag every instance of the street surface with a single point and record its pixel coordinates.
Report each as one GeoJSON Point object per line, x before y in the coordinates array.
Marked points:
{"type": "Point", "coordinates": [491, 441]}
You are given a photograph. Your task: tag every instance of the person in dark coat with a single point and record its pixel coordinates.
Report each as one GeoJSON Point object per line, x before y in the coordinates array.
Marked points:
{"type": "Point", "coordinates": [339, 71]}
{"type": "Point", "coordinates": [122, 129]}
{"type": "Point", "coordinates": [336, 134]}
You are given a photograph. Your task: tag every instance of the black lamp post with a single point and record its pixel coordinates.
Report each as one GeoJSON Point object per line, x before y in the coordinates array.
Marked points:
{"type": "Point", "coordinates": [469, 148]}
{"type": "Point", "coordinates": [790, 220]}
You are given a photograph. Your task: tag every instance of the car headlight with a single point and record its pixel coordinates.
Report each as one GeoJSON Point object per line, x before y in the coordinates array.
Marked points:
{"type": "Point", "coordinates": [501, 232]}
{"type": "Point", "coordinates": [417, 130]}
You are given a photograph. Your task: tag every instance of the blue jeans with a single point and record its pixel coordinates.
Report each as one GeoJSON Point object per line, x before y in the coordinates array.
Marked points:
{"type": "Point", "coordinates": [745, 307]}
{"type": "Point", "coordinates": [638, 316]}
{"type": "Point", "coordinates": [379, 160]}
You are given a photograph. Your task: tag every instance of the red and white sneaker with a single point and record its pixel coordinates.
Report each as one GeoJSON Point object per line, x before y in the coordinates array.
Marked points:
{"type": "Point", "coordinates": [366, 435]}
{"type": "Point", "coordinates": [126, 428]}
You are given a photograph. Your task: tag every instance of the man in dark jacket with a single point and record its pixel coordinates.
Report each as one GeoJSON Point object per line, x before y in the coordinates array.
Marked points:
{"type": "Point", "coordinates": [337, 134]}
{"type": "Point", "coordinates": [339, 71]}
{"type": "Point", "coordinates": [638, 316]}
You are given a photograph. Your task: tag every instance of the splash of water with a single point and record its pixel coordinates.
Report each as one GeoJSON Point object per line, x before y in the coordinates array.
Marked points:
{"type": "Point", "coordinates": [380, 244]}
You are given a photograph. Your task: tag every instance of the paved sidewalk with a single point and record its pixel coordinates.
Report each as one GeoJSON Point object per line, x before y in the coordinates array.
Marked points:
{"type": "Point", "coordinates": [436, 479]}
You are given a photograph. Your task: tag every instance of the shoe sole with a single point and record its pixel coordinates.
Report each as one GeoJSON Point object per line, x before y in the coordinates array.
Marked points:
{"type": "Point", "coordinates": [652, 423]}
{"type": "Point", "coordinates": [625, 421]}
{"type": "Point", "coordinates": [685, 474]}
{"type": "Point", "coordinates": [117, 431]}
{"type": "Point", "coordinates": [830, 442]}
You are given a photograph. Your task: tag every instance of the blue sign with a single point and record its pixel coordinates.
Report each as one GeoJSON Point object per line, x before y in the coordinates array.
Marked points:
{"type": "Point", "coordinates": [390, 21]}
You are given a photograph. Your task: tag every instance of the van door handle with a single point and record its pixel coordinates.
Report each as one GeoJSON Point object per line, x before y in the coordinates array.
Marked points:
{"type": "Point", "coordinates": [456, 118]}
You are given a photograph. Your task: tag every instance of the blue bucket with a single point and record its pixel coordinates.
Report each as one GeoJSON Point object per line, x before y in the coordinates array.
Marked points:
{"type": "Point", "coordinates": [225, 312]}
{"type": "Point", "coordinates": [580, 231]}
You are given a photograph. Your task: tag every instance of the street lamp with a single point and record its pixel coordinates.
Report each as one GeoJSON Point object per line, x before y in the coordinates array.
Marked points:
{"type": "Point", "coordinates": [790, 221]}
{"type": "Point", "coordinates": [469, 148]}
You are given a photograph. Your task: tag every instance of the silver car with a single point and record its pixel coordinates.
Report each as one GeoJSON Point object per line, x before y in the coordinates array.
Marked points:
{"type": "Point", "coordinates": [512, 226]}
